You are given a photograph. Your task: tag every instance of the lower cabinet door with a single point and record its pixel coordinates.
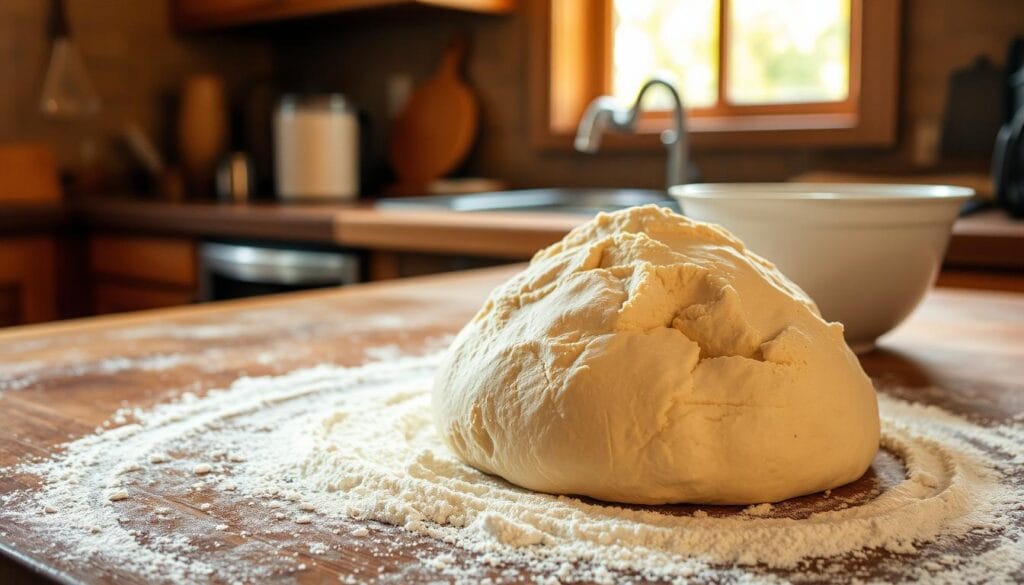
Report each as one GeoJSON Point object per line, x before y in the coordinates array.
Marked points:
{"type": "Point", "coordinates": [120, 297]}
{"type": "Point", "coordinates": [28, 280]}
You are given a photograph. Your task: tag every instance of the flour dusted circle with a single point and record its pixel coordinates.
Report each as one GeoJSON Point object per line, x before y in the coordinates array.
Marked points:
{"type": "Point", "coordinates": [648, 358]}
{"type": "Point", "coordinates": [332, 458]}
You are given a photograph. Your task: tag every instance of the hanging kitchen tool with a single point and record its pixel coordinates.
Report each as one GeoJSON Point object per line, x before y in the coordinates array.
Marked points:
{"type": "Point", "coordinates": [67, 90]}
{"type": "Point", "coordinates": [434, 132]}
{"type": "Point", "coordinates": [202, 131]}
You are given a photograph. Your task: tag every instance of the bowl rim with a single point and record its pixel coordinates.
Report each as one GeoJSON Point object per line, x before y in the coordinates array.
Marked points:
{"type": "Point", "coordinates": [845, 192]}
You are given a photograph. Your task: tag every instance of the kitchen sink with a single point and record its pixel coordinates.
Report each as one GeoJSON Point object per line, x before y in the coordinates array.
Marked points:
{"type": "Point", "coordinates": [580, 201]}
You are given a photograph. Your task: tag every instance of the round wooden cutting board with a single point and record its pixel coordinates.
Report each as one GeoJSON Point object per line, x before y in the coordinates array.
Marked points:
{"type": "Point", "coordinates": [435, 130]}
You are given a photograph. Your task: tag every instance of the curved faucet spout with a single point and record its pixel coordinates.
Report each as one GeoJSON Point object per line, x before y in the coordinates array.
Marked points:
{"type": "Point", "coordinates": [604, 114]}
{"type": "Point", "coordinates": [596, 119]}
{"type": "Point", "coordinates": [675, 139]}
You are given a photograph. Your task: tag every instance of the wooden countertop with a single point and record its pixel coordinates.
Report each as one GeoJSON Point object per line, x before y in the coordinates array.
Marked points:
{"type": "Point", "coordinates": [267, 221]}
{"type": "Point", "coordinates": [18, 218]}
{"type": "Point", "coordinates": [961, 350]}
{"type": "Point", "coordinates": [985, 239]}
{"type": "Point", "coordinates": [359, 225]}
{"type": "Point", "coordinates": [988, 239]}
{"type": "Point", "coordinates": [513, 235]}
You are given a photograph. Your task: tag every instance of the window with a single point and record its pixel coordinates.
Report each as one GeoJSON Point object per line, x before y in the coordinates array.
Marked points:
{"type": "Point", "coordinates": [729, 53]}
{"type": "Point", "coordinates": [751, 72]}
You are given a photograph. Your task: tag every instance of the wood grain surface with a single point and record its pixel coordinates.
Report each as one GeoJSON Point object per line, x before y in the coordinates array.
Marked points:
{"type": "Point", "coordinates": [272, 221]}
{"type": "Point", "coordinates": [515, 236]}
{"type": "Point", "coordinates": [962, 350]}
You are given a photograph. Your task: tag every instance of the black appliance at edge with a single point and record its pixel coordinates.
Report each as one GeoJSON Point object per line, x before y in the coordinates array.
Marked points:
{"type": "Point", "coordinates": [1008, 157]}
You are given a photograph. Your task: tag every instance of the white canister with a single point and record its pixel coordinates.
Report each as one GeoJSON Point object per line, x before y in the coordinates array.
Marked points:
{"type": "Point", "coordinates": [316, 147]}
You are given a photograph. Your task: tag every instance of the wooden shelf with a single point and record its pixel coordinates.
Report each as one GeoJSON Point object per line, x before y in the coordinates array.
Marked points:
{"type": "Point", "coordinates": [195, 15]}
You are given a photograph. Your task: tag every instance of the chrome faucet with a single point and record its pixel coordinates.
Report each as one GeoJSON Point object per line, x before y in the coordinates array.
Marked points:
{"type": "Point", "coordinates": [604, 114]}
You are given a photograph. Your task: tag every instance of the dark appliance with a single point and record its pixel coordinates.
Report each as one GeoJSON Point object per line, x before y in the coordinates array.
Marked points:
{"type": "Point", "coordinates": [1008, 157]}
{"type": "Point", "coordinates": [230, 270]}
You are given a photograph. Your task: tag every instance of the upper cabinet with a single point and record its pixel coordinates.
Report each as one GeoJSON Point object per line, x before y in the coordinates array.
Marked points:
{"type": "Point", "coordinates": [190, 15]}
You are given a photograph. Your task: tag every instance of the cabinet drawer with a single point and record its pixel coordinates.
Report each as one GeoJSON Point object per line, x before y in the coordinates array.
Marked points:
{"type": "Point", "coordinates": [153, 259]}
{"type": "Point", "coordinates": [120, 297]}
{"type": "Point", "coordinates": [10, 305]}
{"type": "Point", "coordinates": [28, 279]}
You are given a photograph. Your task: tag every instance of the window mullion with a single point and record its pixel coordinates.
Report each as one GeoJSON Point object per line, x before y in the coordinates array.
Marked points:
{"type": "Point", "coordinates": [723, 54]}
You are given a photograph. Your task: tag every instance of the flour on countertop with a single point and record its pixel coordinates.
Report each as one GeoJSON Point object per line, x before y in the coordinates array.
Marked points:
{"type": "Point", "coordinates": [66, 358]}
{"type": "Point", "coordinates": [328, 458]}
{"type": "Point", "coordinates": [254, 322]}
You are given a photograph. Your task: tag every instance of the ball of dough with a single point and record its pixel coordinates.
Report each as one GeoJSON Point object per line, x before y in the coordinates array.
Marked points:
{"type": "Point", "coordinates": [648, 358]}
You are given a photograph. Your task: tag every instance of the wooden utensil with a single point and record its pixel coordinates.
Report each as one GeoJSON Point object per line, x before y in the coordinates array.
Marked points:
{"type": "Point", "coordinates": [435, 130]}
{"type": "Point", "coordinates": [202, 131]}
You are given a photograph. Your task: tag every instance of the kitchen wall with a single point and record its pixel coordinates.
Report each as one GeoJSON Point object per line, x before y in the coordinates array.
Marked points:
{"type": "Point", "coordinates": [358, 55]}
{"type": "Point", "coordinates": [135, 60]}
{"type": "Point", "coordinates": [138, 63]}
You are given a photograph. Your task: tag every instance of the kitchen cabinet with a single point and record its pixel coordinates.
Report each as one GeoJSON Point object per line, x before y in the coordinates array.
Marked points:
{"type": "Point", "coordinates": [132, 272]}
{"type": "Point", "coordinates": [385, 265]}
{"type": "Point", "coordinates": [119, 254]}
{"type": "Point", "coordinates": [190, 15]}
{"type": "Point", "coordinates": [121, 297]}
{"type": "Point", "coordinates": [28, 275]}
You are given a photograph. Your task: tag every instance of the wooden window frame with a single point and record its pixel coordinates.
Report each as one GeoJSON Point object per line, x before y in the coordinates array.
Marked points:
{"type": "Point", "coordinates": [570, 56]}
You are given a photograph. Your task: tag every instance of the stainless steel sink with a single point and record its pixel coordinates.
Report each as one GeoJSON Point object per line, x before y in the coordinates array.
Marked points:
{"type": "Point", "coordinates": [581, 201]}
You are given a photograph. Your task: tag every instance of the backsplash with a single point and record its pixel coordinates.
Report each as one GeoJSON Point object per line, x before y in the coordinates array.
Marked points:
{"type": "Point", "coordinates": [134, 58]}
{"type": "Point", "coordinates": [138, 64]}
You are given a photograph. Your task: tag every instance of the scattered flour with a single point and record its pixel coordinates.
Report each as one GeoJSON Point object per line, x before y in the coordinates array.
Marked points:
{"type": "Point", "coordinates": [75, 364]}
{"type": "Point", "coordinates": [254, 322]}
{"type": "Point", "coordinates": [758, 510]}
{"type": "Point", "coordinates": [118, 495]}
{"type": "Point", "coordinates": [321, 454]}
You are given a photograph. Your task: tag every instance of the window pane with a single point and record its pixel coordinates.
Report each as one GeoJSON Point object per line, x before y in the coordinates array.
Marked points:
{"type": "Point", "coordinates": [788, 51]}
{"type": "Point", "coordinates": [677, 39]}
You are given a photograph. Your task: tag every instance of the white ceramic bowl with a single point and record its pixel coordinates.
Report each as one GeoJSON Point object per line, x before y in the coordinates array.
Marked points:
{"type": "Point", "coordinates": [866, 254]}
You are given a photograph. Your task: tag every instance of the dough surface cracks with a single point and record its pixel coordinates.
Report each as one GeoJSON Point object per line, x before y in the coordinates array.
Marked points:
{"type": "Point", "coordinates": [648, 358]}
